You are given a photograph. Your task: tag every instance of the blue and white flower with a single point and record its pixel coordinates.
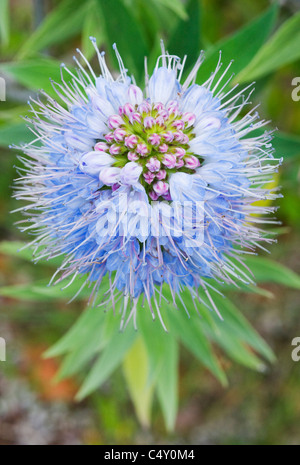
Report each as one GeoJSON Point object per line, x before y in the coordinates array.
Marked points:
{"type": "Point", "coordinates": [152, 187]}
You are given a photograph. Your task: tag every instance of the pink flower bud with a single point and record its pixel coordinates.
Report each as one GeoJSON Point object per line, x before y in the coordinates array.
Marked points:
{"type": "Point", "coordinates": [132, 156]}
{"type": "Point", "coordinates": [168, 136]}
{"type": "Point", "coordinates": [135, 118]}
{"type": "Point", "coordinates": [131, 141]}
{"type": "Point", "coordinates": [142, 149]}
{"type": "Point", "coordinates": [192, 162]}
{"type": "Point", "coordinates": [164, 114]}
{"type": "Point", "coordinates": [128, 109]}
{"type": "Point", "coordinates": [154, 139]}
{"type": "Point", "coordinates": [115, 121]}
{"type": "Point", "coordinates": [161, 175]}
{"type": "Point", "coordinates": [163, 148]}
{"type": "Point", "coordinates": [180, 152]}
{"type": "Point", "coordinates": [119, 134]}
{"type": "Point", "coordinates": [189, 119]}
{"type": "Point", "coordinates": [153, 195]}
{"type": "Point", "coordinates": [153, 164]}
{"type": "Point", "coordinates": [178, 136]}
{"type": "Point", "coordinates": [180, 163]}
{"type": "Point", "coordinates": [148, 177]}
{"type": "Point", "coordinates": [110, 176]}
{"type": "Point", "coordinates": [145, 107]}
{"type": "Point", "coordinates": [178, 124]}
{"type": "Point", "coordinates": [160, 121]}
{"type": "Point", "coordinates": [109, 137]}
{"type": "Point", "coordinates": [114, 149]}
{"type": "Point", "coordinates": [101, 146]}
{"type": "Point", "coordinates": [159, 106]}
{"type": "Point", "coordinates": [185, 139]}
{"type": "Point", "coordinates": [169, 160]}
{"type": "Point", "coordinates": [161, 187]}
{"type": "Point", "coordinates": [173, 107]}
{"type": "Point", "coordinates": [149, 122]}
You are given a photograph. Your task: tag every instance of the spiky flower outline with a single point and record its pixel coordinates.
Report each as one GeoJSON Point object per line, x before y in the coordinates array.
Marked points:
{"type": "Point", "coordinates": [174, 143]}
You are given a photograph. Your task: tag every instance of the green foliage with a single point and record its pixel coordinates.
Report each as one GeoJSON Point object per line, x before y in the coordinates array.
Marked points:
{"type": "Point", "coordinates": [34, 74]}
{"type": "Point", "coordinates": [61, 24]}
{"type": "Point", "coordinates": [4, 22]}
{"type": "Point", "coordinates": [282, 49]}
{"type": "Point", "coordinates": [122, 29]}
{"type": "Point", "coordinates": [94, 344]}
{"type": "Point", "coordinates": [186, 38]}
{"type": "Point", "coordinates": [241, 46]}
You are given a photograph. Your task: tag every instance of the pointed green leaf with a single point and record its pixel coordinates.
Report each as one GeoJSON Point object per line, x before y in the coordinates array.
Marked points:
{"type": "Point", "coordinates": [110, 358]}
{"type": "Point", "coordinates": [19, 250]}
{"type": "Point", "coordinates": [281, 49]}
{"type": "Point", "coordinates": [34, 74]}
{"type": "Point", "coordinates": [186, 39]}
{"type": "Point", "coordinates": [41, 291]}
{"type": "Point", "coordinates": [176, 6]}
{"type": "Point", "coordinates": [79, 334]}
{"type": "Point", "coordinates": [167, 384]}
{"type": "Point", "coordinates": [236, 326]}
{"type": "Point", "coordinates": [195, 340]}
{"type": "Point", "coordinates": [266, 270]}
{"type": "Point", "coordinates": [241, 46]}
{"type": "Point", "coordinates": [122, 29]}
{"type": "Point", "coordinates": [156, 341]}
{"type": "Point", "coordinates": [136, 372]}
{"type": "Point", "coordinates": [62, 23]}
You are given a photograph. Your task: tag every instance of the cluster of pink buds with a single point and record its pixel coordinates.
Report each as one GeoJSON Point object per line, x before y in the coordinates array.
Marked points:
{"type": "Point", "coordinates": [156, 136]}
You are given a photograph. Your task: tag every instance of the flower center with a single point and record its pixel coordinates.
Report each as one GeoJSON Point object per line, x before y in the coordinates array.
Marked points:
{"type": "Point", "coordinates": [156, 137]}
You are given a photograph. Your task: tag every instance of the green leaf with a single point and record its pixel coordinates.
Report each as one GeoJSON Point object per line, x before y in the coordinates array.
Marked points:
{"type": "Point", "coordinates": [286, 145]}
{"type": "Point", "coordinates": [91, 28]}
{"type": "Point", "coordinates": [34, 74]}
{"type": "Point", "coordinates": [281, 49]}
{"type": "Point", "coordinates": [194, 339]}
{"type": "Point", "coordinates": [236, 326]}
{"type": "Point", "coordinates": [62, 23]}
{"type": "Point", "coordinates": [110, 358]}
{"type": "Point", "coordinates": [186, 39]}
{"type": "Point", "coordinates": [122, 29]}
{"type": "Point", "coordinates": [14, 134]}
{"type": "Point", "coordinates": [167, 385]}
{"type": "Point", "coordinates": [136, 372]}
{"type": "Point", "coordinates": [266, 270]}
{"type": "Point", "coordinates": [4, 21]}
{"type": "Point", "coordinates": [41, 291]}
{"type": "Point", "coordinates": [79, 334]}
{"type": "Point", "coordinates": [85, 345]}
{"type": "Point", "coordinates": [176, 6]}
{"type": "Point", "coordinates": [16, 249]}
{"type": "Point", "coordinates": [241, 46]}
{"type": "Point", "coordinates": [156, 341]}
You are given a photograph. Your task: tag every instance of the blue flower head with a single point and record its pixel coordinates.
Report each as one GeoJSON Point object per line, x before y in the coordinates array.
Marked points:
{"type": "Point", "coordinates": [155, 186]}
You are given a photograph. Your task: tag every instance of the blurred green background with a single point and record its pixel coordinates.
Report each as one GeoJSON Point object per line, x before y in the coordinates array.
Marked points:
{"type": "Point", "coordinates": [256, 408]}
